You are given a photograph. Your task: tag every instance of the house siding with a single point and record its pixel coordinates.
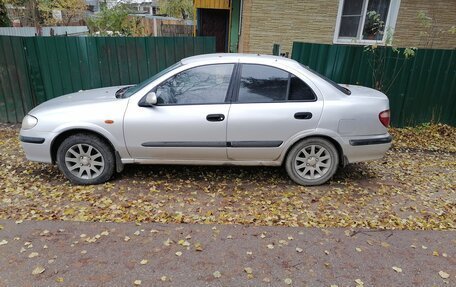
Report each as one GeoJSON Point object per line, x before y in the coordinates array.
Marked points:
{"type": "Point", "coordinates": [267, 22]}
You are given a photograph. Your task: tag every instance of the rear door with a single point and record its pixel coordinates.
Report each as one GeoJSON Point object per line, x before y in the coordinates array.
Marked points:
{"type": "Point", "coordinates": [270, 106]}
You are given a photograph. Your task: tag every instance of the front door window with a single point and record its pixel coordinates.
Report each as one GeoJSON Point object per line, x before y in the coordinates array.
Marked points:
{"type": "Point", "coordinates": [200, 85]}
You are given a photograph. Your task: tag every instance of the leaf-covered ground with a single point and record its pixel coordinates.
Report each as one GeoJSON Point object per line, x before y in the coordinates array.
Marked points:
{"type": "Point", "coordinates": [413, 187]}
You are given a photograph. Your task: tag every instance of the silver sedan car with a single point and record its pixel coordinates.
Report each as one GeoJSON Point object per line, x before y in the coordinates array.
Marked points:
{"type": "Point", "coordinates": [217, 109]}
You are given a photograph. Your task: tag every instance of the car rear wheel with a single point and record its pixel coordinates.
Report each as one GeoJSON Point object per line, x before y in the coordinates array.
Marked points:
{"type": "Point", "coordinates": [86, 159]}
{"type": "Point", "coordinates": [312, 161]}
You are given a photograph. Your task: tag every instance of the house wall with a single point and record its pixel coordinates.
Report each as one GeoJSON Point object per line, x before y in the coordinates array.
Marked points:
{"type": "Point", "coordinates": [408, 27]}
{"type": "Point", "coordinates": [266, 22]}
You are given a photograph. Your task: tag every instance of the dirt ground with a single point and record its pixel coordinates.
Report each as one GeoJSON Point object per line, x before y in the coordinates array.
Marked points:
{"type": "Point", "coordinates": [65, 253]}
{"type": "Point", "coordinates": [412, 188]}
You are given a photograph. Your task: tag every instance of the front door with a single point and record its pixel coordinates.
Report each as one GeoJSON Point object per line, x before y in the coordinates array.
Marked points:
{"type": "Point", "coordinates": [189, 121]}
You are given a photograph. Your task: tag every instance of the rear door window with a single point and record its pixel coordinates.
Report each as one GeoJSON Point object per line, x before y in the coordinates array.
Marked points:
{"type": "Point", "coordinates": [263, 84]}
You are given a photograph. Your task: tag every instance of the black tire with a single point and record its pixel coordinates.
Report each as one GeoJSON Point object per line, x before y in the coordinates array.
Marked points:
{"type": "Point", "coordinates": [86, 159]}
{"type": "Point", "coordinates": [300, 161]}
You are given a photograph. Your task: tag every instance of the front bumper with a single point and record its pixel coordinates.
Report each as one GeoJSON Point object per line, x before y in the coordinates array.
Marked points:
{"type": "Point", "coordinates": [37, 145]}
{"type": "Point", "coordinates": [33, 140]}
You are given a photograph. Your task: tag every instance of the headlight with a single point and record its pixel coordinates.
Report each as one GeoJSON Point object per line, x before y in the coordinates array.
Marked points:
{"type": "Point", "coordinates": [29, 122]}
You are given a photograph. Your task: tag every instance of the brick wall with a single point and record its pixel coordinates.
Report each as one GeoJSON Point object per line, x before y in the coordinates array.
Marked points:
{"type": "Point", "coordinates": [266, 22]}
{"type": "Point", "coordinates": [408, 27]}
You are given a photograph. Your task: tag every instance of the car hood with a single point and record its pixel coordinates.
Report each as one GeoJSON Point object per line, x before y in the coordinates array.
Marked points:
{"type": "Point", "coordinates": [360, 91]}
{"type": "Point", "coordinates": [87, 97]}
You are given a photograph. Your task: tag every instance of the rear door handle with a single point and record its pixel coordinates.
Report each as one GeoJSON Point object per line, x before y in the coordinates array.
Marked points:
{"type": "Point", "coordinates": [215, 117]}
{"type": "Point", "coordinates": [303, 116]}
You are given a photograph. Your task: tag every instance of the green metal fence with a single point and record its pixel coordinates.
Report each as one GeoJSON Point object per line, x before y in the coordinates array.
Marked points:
{"type": "Point", "coordinates": [421, 89]}
{"type": "Point", "coordinates": [36, 69]}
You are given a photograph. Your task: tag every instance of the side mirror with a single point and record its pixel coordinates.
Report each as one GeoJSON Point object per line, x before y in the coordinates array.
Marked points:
{"type": "Point", "coordinates": [151, 99]}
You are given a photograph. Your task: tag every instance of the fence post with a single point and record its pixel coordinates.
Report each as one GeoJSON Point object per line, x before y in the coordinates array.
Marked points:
{"type": "Point", "coordinates": [276, 49]}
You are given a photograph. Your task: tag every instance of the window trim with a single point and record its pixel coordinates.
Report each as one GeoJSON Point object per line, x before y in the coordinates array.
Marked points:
{"type": "Point", "coordinates": [235, 95]}
{"type": "Point", "coordinates": [390, 23]}
{"type": "Point", "coordinates": [227, 96]}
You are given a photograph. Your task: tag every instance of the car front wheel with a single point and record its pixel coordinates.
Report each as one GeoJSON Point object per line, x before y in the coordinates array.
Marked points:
{"type": "Point", "coordinates": [312, 161]}
{"type": "Point", "coordinates": [85, 159]}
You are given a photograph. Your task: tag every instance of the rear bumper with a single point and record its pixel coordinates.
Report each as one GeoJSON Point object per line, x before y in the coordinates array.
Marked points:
{"type": "Point", "coordinates": [366, 148]}
{"type": "Point", "coordinates": [371, 141]}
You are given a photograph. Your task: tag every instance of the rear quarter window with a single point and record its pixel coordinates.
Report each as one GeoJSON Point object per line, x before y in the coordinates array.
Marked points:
{"type": "Point", "coordinates": [300, 91]}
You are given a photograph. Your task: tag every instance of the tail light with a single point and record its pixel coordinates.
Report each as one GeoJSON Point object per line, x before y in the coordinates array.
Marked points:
{"type": "Point", "coordinates": [384, 118]}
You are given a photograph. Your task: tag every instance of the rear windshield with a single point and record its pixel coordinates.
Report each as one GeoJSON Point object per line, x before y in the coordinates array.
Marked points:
{"type": "Point", "coordinates": [334, 84]}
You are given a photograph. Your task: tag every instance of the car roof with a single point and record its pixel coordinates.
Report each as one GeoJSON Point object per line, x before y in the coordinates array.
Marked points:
{"type": "Point", "coordinates": [237, 57]}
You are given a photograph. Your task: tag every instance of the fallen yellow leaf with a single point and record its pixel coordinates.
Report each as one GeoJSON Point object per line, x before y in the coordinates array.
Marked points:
{"type": "Point", "coordinates": [217, 274]}
{"type": "Point", "coordinates": [444, 275]}
{"type": "Point", "coordinates": [385, 244]}
{"type": "Point", "coordinates": [198, 247]}
{"type": "Point", "coordinates": [38, 270]}
{"type": "Point", "coordinates": [33, 254]}
{"type": "Point", "coordinates": [359, 282]}
{"type": "Point", "coordinates": [248, 270]}
{"type": "Point", "coordinates": [397, 269]}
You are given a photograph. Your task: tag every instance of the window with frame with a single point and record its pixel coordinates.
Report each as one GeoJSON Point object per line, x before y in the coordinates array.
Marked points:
{"type": "Point", "coordinates": [262, 84]}
{"type": "Point", "coordinates": [200, 85]}
{"type": "Point", "coordinates": [364, 21]}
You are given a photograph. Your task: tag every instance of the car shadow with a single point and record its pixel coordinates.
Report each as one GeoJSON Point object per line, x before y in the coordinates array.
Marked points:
{"type": "Point", "coordinates": [266, 175]}
{"type": "Point", "coordinates": [212, 173]}
{"type": "Point", "coordinates": [263, 174]}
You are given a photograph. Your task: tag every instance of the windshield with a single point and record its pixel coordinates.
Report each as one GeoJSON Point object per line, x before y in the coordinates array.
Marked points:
{"type": "Point", "coordinates": [334, 84]}
{"type": "Point", "coordinates": [133, 89]}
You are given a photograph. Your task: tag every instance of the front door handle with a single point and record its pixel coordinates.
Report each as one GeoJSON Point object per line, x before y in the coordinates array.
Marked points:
{"type": "Point", "coordinates": [215, 117]}
{"type": "Point", "coordinates": [303, 116]}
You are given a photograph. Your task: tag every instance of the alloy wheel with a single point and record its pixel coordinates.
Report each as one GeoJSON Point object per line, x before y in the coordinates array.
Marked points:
{"type": "Point", "coordinates": [312, 162]}
{"type": "Point", "coordinates": [84, 161]}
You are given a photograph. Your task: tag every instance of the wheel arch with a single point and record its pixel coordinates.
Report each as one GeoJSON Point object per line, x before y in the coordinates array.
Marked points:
{"type": "Point", "coordinates": [57, 141]}
{"type": "Point", "coordinates": [340, 152]}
